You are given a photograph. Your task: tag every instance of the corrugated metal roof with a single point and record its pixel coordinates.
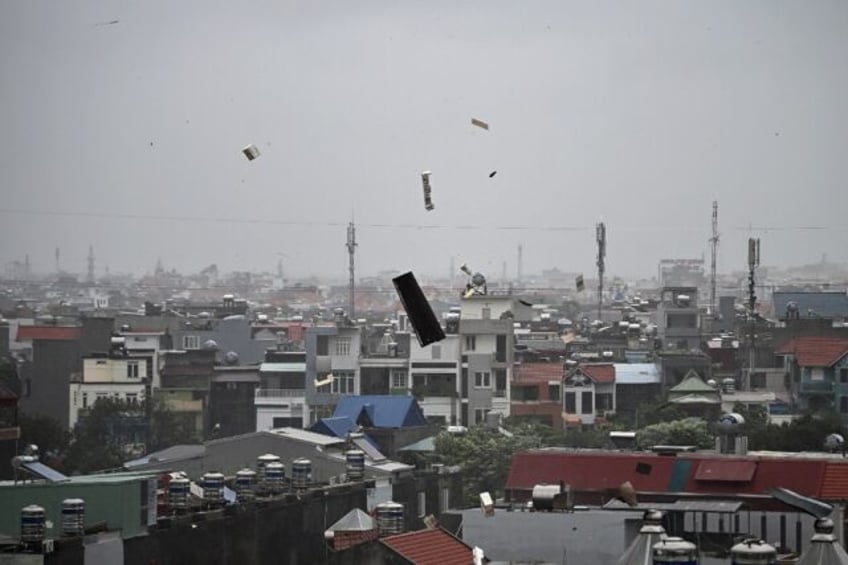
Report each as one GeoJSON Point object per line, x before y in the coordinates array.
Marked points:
{"type": "Point", "coordinates": [383, 411]}
{"type": "Point", "coordinates": [430, 547]}
{"type": "Point", "coordinates": [354, 521]}
{"type": "Point", "coordinates": [835, 483]}
{"type": "Point", "coordinates": [692, 382]}
{"type": "Point", "coordinates": [538, 372]}
{"type": "Point", "coordinates": [595, 470]}
{"type": "Point", "coordinates": [282, 367]}
{"type": "Point", "coordinates": [26, 333]}
{"type": "Point", "coordinates": [812, 304]}
{"type": "Point", "coordinates": [306, 436]}
{"type": "Point", "coordinates": [815, 351]}
{"type": "Point", "coordinates": [636, 373]}
{"type": "Point", "coordinates": [726, 471]}
{"type": "Point", "coordinates": [173, 453]}
{"type": "Point", "coordinates": [717, 506]}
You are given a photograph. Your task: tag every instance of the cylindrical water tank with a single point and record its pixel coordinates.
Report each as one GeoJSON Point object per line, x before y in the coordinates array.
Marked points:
{"type": "Point", "coordinates": [301, 472]}
{"type": "Point", "coordinates": [275, 473]}
{"type": "Point", "coordinates": [178, 493]}
{"type": "Point", "coordinates": [675, 551]}
{"type": "Point", "coordinates": [213, 488]}
{"type": "Point", "coordinates": [32, 524]}
{"type": "Point", "coordinates": [728, 385]}
{"type": "Point", "coordinates": [246, 484]}
{"type": "Point", "coordinates": [390, 518]}
{"type": "Point", "coordinates": [261, 462]}
{"type": "Point", "coordinates": [73, 517]}
{"type": "Point", "coordinates": [753, 552]}
{"type": "Point", "coordinates": [355, 464]}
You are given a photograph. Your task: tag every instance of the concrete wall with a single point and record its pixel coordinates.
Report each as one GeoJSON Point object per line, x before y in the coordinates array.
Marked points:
{"type": "Point", "coordinates": [47, 378]}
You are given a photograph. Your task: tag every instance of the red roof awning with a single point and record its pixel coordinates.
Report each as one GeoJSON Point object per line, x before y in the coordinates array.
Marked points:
{"type": "Point", "coordinates": [726, 471]}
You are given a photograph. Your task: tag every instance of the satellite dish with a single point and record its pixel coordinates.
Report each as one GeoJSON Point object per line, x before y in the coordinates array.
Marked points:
{"type": "Point", "coordinates": [464, 268]}
{"type": "Point", "coordinates": [834, 442]}
{"type": "Point", "coordinates": [730, 423]}
{"type": "Point", "coordinates": [477, 279]}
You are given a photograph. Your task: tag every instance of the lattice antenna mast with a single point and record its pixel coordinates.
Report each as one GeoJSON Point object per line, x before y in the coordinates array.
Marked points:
{"type": "Point", "coordinates": [351, 250]}
{"type": "Point", "coordinates": [90, 275]}
{"type": "Point", "coordinates": [601, 237]}
{"type": "Point", "coordinates": [714, 251]}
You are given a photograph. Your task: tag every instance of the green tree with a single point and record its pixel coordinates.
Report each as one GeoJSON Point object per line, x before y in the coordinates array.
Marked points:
{"type": "Point", "coordinates": [485, 456]}
{"type": "Point", "coordinates": [48, 434]}
{"type": "Point", "coordinates": [679, 432]}
{"type": "Point", "coordinates": [110, 433]}
{"type": "Point", "coordinates": [168, 428]}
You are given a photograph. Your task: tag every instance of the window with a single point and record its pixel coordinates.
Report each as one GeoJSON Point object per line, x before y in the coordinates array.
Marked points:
{"type": "Point", "coordinates": [422, 504]}
{"type": "Point", "coordinates": [570, 403]}
{"type": "Point", "coordinates": [398, 378]}
{"type": "Point", "coordinates": [444, 500]}
{"type": "Point", "coordinates": [603, 401]}
{"type": "Point", "coordinates": [480, 415]}
{"type": "Point", "coordinates": [843, 375]}
{"type": "Point", "coordinates": [85, 400]}
{"type": "Point", "coordinates": [758, 380]}
{"type": "Point", "coordinates": [553, 392]}
{"type": "Point", "coordinates": [132, 369]}
{"type": "Point", "coordinates": [500, 348]}
{"type": "Point", "coordinates": [323, 345]}
{"type": "Point", "coordinates": [586, 403]}
{"type": "Point", "coordinates": [435, 352]}
{"type": "Point", "coordinates": [191, 342]}
{"type": "Point", "coordinates": [343, 382]}
{"type": "Point", "coordinates": [500, 380]}
{"type": "Point", "coordinates": [343, 346]}
{"type": "Point", "coordinates": [487, 313]}
{"type": "Point", "coordinates": [132, 398]}
{"type": "Point", "coordinates": [101, 396]}
{"type": "Point", "coordinates": [470, 342]}
{"type": "Point", "coordinates": [482, 379]}
{"type": "Point", "coordinates": [843, 404]}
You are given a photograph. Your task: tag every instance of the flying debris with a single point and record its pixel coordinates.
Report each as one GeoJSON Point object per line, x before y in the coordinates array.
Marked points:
{"type": "Point", "coordinates": [324, 382]}
{"type": "Point", "coordinates": [427, 327]}
{"type": "Point", "coordinates": [479, 123]}
{"type": "Point", "coordinates": [492, 174]}
{"type": "Point", "coordinates": [578, 282]}
{"type": "Point", "coordinates": [251, 152]}
{"type": "Point", "coordinates": [109, 23]}
{"type": "Point", "coordinates": [425, 181]}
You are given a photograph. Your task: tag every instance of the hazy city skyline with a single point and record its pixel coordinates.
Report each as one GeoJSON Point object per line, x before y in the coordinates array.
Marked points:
{"type": "Point", "coordinates": [124, 125]}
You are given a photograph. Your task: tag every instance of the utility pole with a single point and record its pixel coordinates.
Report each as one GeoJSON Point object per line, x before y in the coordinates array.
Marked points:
{"type": "Point", "coordinates": [601, 237]}
{"type": "Point", "coordinates": [351, 249]}
{"type": "Point", "coordinates": [56, 257]}
{"type": "Point", "coordinates": [518, 274]}
{"type": "Point", "coordinates": [714, 249]}
{"type": "Point", "coordinates": [753, 263]}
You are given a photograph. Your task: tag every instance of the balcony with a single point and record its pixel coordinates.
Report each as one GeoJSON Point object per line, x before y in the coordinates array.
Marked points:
{"type": "Point", "coordinates": [273, 396]}
{"type": "Point", "coordinates": [815, 387]}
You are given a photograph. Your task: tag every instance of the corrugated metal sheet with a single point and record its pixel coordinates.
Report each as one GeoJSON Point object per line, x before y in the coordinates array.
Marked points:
{"type": "Point", "coordinates": [636, 373]}
{"type": "Point", "coordinates": [430, 547]}
{"type": "Point", "coordinates": [726, 471]}
{"type": "Point", "coordinates": [835, 483]}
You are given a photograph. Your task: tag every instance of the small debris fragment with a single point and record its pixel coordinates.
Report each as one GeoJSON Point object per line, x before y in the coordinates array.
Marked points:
{"type": "Point", "coordinates": [251, 152]}
{"type": "Point", "coordinates": [492, 174]}
{"type": "Point", "coordinates": [578, 282]}
{"type": "Point", "coordinates": [479, 123]}
{"type": "Point", "coordinates": [425, 181]}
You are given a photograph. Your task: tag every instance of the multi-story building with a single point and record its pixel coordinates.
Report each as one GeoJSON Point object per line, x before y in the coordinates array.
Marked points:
{"type": "Point", "coordinates": [186, 378]}
{"type": "Point", "coordinates": [332, 365]}
{"type": "Point", "coordinates": [434, 377]}
{"type": "Point", "coordinates": [589, 393]}
{"type": "Point", "coordinates": [280, 399]}
{"type": "Point", "coordinates": [112, 375]}
{"type": "Point", "coordinates": [678, 318]}
{"type": "Point", "coordinates": [486, 348]}
{"type": "Point", "coordinates": [536, 394]}
{"type": "Point", "coordinates": [817, 369]}
{"type": "Point", "coordinates": [146, 347]}
{"type": "Point", "coordinates": [231, 399]}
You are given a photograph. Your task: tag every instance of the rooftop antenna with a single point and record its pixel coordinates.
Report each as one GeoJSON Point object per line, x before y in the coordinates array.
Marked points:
{"type": "Point", "coordinates": [714, 250]}
{"type": "Point", "coordinates": [90, 275]}
{"type": "Point", "coordinates": [601, 237]}
{"type": "Point", "coordinates": [56, 258]}
{"type": "Point", "coordinates": [753, 263]}
{"type": "Point", "coordinates": [518, 273]}
{"type": "Point", "coordinates": [351, 250]}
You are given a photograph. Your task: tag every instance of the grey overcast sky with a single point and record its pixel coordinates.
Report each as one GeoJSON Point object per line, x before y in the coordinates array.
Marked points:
{"type": "Point", "coordinates": [635, 113]}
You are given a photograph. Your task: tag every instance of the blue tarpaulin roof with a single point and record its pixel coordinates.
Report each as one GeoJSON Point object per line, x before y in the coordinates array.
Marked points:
{"type": "Point", "coordinates": [338, 427]}
{"type": "Point", "coordinates": [381, 411]}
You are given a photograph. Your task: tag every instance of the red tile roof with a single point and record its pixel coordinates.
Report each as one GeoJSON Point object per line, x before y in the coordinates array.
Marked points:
{"type": "Point", "coordinates": [600, 372]}
{"type": "Point", "coordinates": [815, 351]}
{"type": "Point", "coordinates": [430, 547]}
{"type": "Point", "coordinates": [539, 372]}
{"type": "Point", "coordinates": [26, 333]}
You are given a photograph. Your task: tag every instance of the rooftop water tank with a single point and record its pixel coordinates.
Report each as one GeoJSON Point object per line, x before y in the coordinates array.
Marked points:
{"type": "Point", "coordinates": [32, 524]}
{"type": "Point", "coordinates": [213, 489]}
{"type": "Point", "coordinates": [261, 462]}
{"type": "Point", "coordinates": [675, 551]}
{"type": "Point", "coordinates": [301, 471]}
{"type": "Point", "coordinates": [390, 518]}
{"type": "Point", "coordinates": [73, 517]}
{"type": "Point", "coordinates": [355, 464]}
{"type": "Point", "coordinates": [753, 552]}
{"type": "Point", "coordinates": [246, 484]}
{"type": "Point", "coordinates": [728, 385]}
{"type": "Point", "coordinates": [275, 474]}
{"type": "Point", "coordinates": [178, 493]}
